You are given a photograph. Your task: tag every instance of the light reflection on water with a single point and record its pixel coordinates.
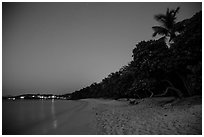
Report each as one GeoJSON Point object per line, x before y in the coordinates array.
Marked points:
{"type": "Point", "coordinates": [29, 116]}
{"type": "Point", "coordinates": [53, 114]}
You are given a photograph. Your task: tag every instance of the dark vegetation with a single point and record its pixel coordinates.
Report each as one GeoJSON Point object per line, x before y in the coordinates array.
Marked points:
{"type": "Point", "coordinates": [159, 67]}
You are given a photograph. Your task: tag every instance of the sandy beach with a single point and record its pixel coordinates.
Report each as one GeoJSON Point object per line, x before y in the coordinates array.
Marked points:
{"type": "Point", "coordinates": [155, 116]}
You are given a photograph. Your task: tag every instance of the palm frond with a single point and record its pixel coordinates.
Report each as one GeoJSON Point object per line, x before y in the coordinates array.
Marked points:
{"type": "Point", "coordinates": [176, 11]}
{"type": "Point", "coordinates": [154, 34]}
{"type": "Point", "coordinates": [160, 17]}
{"type": "Point", "coordinates": [159, 30]}
{"type": "Point", "coordinates": [167, 11]}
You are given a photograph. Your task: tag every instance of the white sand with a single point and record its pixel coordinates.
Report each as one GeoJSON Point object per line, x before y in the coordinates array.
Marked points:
{"type": "Point", "coordinates": [150, 117]}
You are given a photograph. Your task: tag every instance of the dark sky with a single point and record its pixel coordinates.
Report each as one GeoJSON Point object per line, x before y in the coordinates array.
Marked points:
{"type": "Point", "coordinates": [62, 47]}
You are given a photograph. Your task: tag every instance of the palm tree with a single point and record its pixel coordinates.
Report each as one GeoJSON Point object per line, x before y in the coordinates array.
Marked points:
{"type": "Point", "coordinates": [167, 29]}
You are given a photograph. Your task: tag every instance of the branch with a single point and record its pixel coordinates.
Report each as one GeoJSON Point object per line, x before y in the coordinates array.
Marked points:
{"type": "Point", "coordinates": [177, 91]}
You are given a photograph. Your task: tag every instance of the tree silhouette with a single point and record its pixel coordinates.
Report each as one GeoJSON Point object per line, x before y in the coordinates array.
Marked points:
{"type": "Point", "coordinates": [168, 21]}
{"type": "Point", "coordinates": [157, 70]}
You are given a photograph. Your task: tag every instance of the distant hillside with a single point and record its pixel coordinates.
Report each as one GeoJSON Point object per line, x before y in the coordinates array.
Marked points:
{"type": "Point", "coordinates": [155, 68]}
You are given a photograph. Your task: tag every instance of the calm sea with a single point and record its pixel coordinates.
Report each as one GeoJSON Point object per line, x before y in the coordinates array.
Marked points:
{"type": "Point", "coordinates": [35, 116]}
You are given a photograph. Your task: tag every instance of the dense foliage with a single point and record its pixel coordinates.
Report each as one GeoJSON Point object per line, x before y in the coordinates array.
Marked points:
{"type": "Point", "coordinates": [156, 68]}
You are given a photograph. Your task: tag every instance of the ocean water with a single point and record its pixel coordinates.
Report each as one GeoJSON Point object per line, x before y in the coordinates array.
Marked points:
{"type": "Point", "coordinates": [36, 116]}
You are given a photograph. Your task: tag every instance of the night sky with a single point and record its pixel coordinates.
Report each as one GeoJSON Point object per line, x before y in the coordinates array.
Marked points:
{"type": "Point", "coordinates": [62, 47]}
